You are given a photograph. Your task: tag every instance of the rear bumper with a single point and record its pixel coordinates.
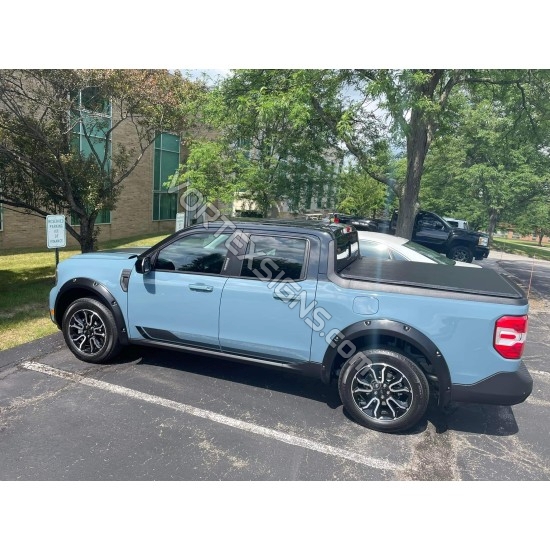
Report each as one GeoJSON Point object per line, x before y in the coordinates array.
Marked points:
{"type": "Point", "coordinates": [504, 388]}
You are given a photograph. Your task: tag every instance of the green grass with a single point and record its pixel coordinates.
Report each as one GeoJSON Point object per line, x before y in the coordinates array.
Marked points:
{"type": "Point", "coordinates": [26, 277]}
{"type": "Point", "coordinates": [524, 248]}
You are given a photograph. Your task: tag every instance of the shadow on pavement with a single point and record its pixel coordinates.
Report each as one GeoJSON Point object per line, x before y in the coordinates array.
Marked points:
{"type": "Point", "coordinates": [281, 381]}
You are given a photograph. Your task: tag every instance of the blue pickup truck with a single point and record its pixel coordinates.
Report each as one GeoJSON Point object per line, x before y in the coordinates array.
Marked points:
{"type": "Point", "coordinates": [298, 296]}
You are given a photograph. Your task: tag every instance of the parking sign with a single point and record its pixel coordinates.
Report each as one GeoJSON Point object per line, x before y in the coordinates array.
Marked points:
{"type": "Point", "coordinates": [55, 231]}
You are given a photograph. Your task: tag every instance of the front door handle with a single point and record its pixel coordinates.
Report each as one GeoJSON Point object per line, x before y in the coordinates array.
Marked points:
{"type": "Point", "coordinates": [201, 287]}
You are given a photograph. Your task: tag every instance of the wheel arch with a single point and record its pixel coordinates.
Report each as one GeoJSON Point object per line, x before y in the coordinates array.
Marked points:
{"type": "Point", "coordinates": [466, 244]}
{"type": "Point", "coordinates": [83, 287]}
{"type": "Point", "coordinates": [386, 333]}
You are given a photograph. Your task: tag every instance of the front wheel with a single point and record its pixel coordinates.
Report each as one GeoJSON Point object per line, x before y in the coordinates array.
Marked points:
{"type": "Point", "coordinates": [90, 331]}
{"type": "Point", "coordinates": [460, 254]}
{"type": "Point", "coordinates": [383, 390]}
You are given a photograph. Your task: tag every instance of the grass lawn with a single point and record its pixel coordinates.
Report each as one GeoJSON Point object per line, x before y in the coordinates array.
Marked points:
{"type": "Point", "coordinates": [26, 277]}
{"type": "Point", "coordinates": [525, 248]}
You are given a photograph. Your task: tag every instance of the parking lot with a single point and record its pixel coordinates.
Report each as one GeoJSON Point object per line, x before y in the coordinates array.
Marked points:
{"type": "Point", "coordinates": [159, 415]}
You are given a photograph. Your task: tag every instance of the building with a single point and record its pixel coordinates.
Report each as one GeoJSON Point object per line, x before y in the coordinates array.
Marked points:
{"type": "Point", "coordinates": [144, 206]}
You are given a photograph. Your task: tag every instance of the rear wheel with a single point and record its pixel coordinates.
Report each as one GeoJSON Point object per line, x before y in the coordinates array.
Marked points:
{"type": "Point", "coordinates": [383, 390]}
{"type": "Point", "coordinates": [90, 331]}
{"type": "Point", "coordinates": [461, 254]}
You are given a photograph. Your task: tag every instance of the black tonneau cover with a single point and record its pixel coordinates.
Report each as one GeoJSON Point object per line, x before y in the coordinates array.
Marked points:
{"type": "Point", "coordinates": [484, 281]}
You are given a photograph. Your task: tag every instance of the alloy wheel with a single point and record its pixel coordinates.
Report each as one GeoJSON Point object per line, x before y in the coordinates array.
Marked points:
{"type": "Point", "coordinates": [382, 392]}
{"type": "Point", "coordinates": [87, 331]}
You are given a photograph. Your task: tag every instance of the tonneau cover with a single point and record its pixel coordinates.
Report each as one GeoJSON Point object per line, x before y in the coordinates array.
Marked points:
{"type": "Point", "coordinates": [485, 281]}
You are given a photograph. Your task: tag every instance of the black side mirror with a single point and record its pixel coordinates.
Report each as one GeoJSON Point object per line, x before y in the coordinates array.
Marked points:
{"type": "Point", "coordinates": [143, 265]}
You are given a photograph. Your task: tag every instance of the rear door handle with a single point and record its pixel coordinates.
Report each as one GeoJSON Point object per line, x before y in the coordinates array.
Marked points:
{"type": "Point", "coordinates": [201, 287]}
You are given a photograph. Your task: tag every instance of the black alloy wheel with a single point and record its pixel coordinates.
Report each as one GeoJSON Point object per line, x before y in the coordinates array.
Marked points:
{"type": "Point", "coordinates": [383, 390]}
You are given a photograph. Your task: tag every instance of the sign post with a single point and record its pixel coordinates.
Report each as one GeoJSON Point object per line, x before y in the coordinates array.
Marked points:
{"type": "Point", "coordinates": [56, 235]}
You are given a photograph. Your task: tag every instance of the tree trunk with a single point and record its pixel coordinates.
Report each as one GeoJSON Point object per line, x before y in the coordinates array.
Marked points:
{"type": "Point", "coordinates": [417, 148]}
{"type": "Point", "coordinates": [541, 235]}
{"type": "Point", "coordinates": [87, 238]}
{"type": "Point", "coordinates": [493, 220]}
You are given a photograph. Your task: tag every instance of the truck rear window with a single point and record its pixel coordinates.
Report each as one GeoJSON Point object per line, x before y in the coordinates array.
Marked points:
{"type": "Point", "coordinates": [347, 247]}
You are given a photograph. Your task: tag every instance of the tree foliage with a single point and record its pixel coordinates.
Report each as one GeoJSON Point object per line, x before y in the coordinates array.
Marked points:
{"type": "Point", "coordinates": [56, 127]}
{"type": "Point", "coordinates": [535, 219]}
{"type": "Point", "coordinates": [361, 195]}
{"type": "Point", "coordinates": [262, 145]}
{"type": "Point", "coordinates": [493, 164]}
{"type": "Point", "coordinates": [378, 117]}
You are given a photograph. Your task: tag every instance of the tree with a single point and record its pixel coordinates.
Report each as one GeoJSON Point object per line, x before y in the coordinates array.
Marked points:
{"type": "Point", "coordinates": [536, 218]}
{"type": "Point", "coordinates": [360, 195]}
{"type": "Point", "coordinates": [491, 166]}
{"type": "Point", "coordinates": [57, 152]}
{"type": "Point", "coordinates": [261, 146]}
{"type": "Point", "coordinates": [378, 115]}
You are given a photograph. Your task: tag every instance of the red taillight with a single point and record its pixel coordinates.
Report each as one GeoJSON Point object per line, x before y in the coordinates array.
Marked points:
{"type": "Point", "coordinates": [510, 333]}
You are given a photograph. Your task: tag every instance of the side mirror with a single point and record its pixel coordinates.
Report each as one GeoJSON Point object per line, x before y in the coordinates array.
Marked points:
{"type": "Point", "coordinates": [143, 265]}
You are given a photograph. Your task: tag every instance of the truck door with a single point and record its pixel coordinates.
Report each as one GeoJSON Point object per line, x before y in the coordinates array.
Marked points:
{"type": "Point", "coordinates": [430, 231]}
{"type": "Point", "coordinates": [267, 309]}
{"type": "Point", "coordinates": [178, 301]}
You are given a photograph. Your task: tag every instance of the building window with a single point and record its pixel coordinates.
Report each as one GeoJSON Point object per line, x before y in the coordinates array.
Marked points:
{"type": "Point", "coordinates": [91, 127]}
{"type": "Point", "coordinates": [166, 163]}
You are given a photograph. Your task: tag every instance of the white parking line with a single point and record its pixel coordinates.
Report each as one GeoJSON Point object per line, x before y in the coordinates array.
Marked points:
{"type": "Point", "coordinates": [379, 464]}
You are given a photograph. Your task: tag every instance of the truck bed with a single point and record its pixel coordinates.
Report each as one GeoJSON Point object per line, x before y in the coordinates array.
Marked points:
{"type": "Point", "coordinates": [483, 282]}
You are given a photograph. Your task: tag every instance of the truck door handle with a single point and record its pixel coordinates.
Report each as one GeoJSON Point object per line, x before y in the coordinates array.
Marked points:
{"type": "Point", "coordinates": [201, 287]}
{"type": "Point", "coordinates": [285, 299]}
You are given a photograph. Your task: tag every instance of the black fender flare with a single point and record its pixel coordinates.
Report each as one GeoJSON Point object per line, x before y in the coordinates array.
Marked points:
{"type": "Point", "coordinates": [92, 288]}
{"type": "Point", "coordinates": [386, 327]}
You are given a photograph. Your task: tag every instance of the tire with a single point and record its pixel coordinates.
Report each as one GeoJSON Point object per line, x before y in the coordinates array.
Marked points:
{"type": "Point", "coordinates": [90, 331]}
{"type": "Point", "coordinates": [461, 254]}
{"type": "Point", "coordinates": [368, 374]}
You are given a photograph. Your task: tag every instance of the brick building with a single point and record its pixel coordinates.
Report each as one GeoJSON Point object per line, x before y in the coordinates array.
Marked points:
{"type": "Point", "coordinates": [144, 205]}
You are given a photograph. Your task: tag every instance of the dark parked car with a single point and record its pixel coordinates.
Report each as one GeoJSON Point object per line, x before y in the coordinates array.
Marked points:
{"type": "Point", "coordinates": [361, 224]}
{"type": "Point", "coordinates": [457, 244]}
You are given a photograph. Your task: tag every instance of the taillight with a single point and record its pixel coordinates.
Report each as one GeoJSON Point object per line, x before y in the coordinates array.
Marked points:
{"type": "Point", "coordinates": [510, 333]}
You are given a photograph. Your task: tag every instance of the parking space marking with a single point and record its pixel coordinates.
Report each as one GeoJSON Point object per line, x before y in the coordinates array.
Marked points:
{"type": "Point", "coordinates": [379, 464]}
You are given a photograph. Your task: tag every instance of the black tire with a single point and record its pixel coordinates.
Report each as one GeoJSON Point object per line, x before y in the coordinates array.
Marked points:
{"type": "Point", "coordinates": [461, 254]}
{"type": "Point", "coordinates": [90, 331]}
{"type": "Point", "coordinates": [383, 390]}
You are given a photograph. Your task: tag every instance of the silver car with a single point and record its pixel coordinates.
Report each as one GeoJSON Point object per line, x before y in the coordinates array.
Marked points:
{"type": "Point", "coordinates": [389, 247]}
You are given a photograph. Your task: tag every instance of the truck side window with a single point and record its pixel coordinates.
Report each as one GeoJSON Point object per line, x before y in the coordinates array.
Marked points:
{"type": "Point", "coordinates": [270, 257]}
{"type": "Point", "coordinates": [427, 221]}
{"type": "Point", "coordinates": [196, 253]}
